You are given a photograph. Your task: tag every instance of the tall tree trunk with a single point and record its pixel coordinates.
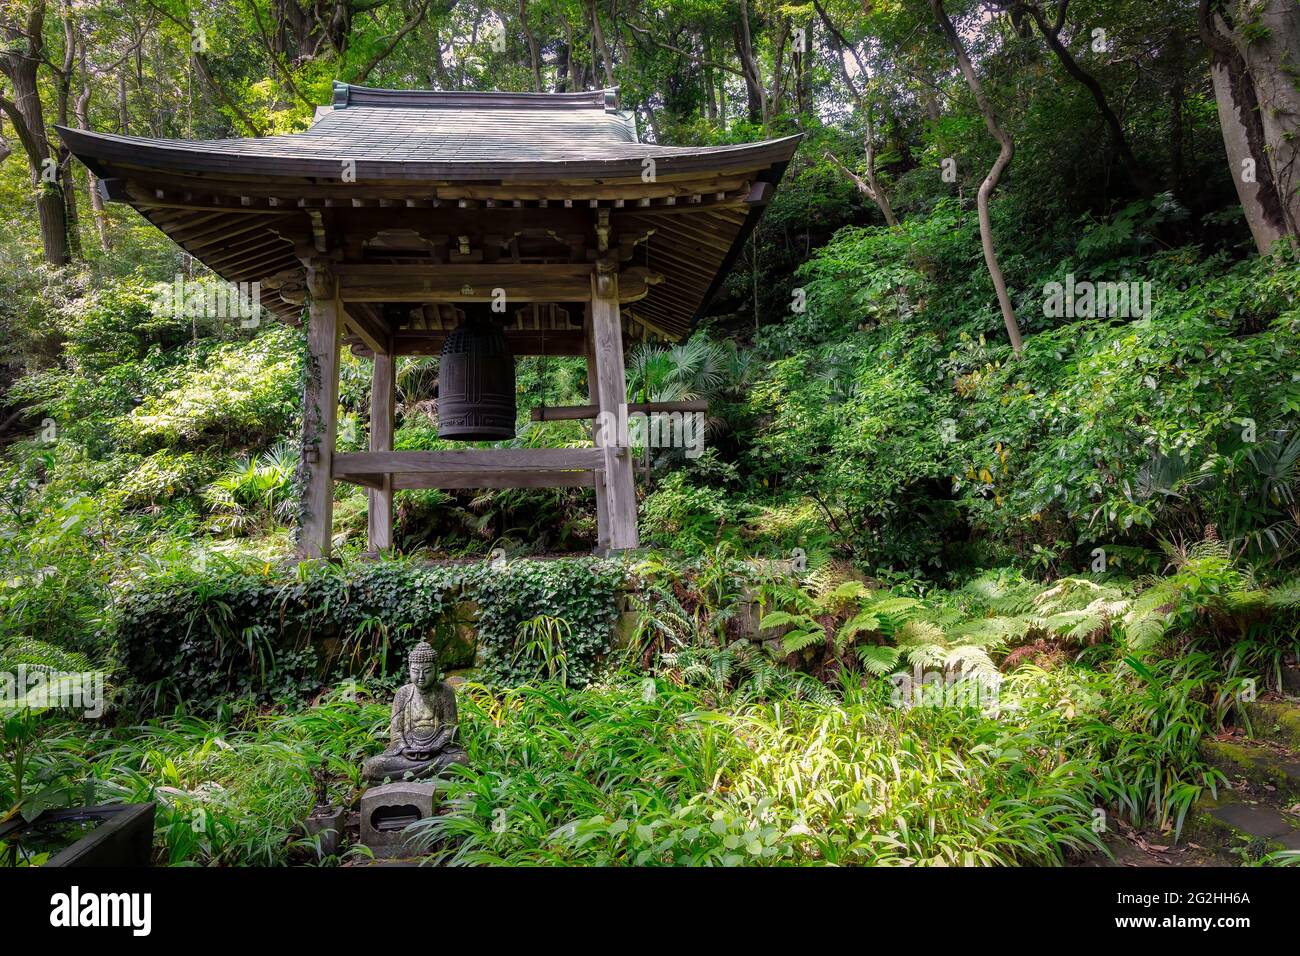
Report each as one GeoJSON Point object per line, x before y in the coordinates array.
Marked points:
{"type": "Point", "coordinates": [64, 75]}
{"type": "Point", "coordinates": [599, 36]}
{"type": "Point", "coordinates": [534, 48]}
{"type": "Point", "coordinates": [777, 96]}
{"type": "Point", "coordinates": [123, 114]}
{"type": "Point", "coordinates": [440, 75]}
{"type": "Point", "coordinates": [710, 97]}
{"type": "Point", "coordinates": [756, 95]}
{"type": "Point", "coordinates": [871, 186]}
{"type": "Point", "coordinates": [19, 61]}
{"type": "Point", "coordinates": [1052, 34]}
{"type": "Point", "coordinates": [1254, 62]}
{"type": "Point", "coordinates": [71, 218]}
{"type": "Point", "coordinates": [1006, 150]}
{"type": "Point", "coordinates": [81, 109]}
{"type": "Point", "coordinates": [566, 80]}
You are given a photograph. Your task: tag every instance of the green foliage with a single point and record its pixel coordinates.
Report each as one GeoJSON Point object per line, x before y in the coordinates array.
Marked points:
{"type": "Point", "coordinates": [31, 653]}
{"type": "Point", "coordinates": [1173, 421]}
{"type": "Point", "coordinates": [888, 407]}
{"type": "Point", "coordinates": [577, 596]}
{"type": "Point", "coordinates": [255, 493]}
{"type": "Point", "coordinates": [543, 642]}
{"type": "Point", "coordinates": [30, 782]}
{"type": "Point", "coordinates": [628, 773]}
{"type": "Point", "coordinates": [239, 396]}
{"type": "Point", "coordinates": [229, 793]}
{"type": "Point", "coordinates": [879, 418]}
{"type": "Point", "coordinates": [202, 635]}
{"type": "Point", "coordinates": [688, 517]}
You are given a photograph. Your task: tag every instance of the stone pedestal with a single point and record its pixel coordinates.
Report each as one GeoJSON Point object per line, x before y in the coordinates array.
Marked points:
{"type": "Point", "coordinates": [329, 823]}
{"type": "Point", "coordinates": [387, 810]}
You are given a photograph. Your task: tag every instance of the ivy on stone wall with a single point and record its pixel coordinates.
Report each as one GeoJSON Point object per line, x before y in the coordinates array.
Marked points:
{"type": "Point", "coordinates": [231, 633]}
{"type": "Point", "coordinates": [582, 593]}
{"type": "Point", "coordinates": [267, 634]}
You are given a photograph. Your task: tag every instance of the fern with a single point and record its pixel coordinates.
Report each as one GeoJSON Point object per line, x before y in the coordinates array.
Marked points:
{"type": "Point", "coordinates": [926, 655]}
{"type": "Point", "coordinates": [796, 641]}
{"type": "Point", "coordinates": [782, 618]}
{"type": "Point", "coordinates": [864, 622]}
{"type": "Point", "coordinates": [992, 631]}
{"type": "Point", "coordinates": [35, 654]}
{"type": "Point", "coordinates": [894, 612]}
{"type": "Point", "coordinates": [1151, 613]}
{"type": "Point", "coordinates": [970, 661]}
{"type": "Point", "coordinates": [1286, 594]}
{"type": "Point", "coordinates": [878, 659]}
{"type": "Point", "coordinates": [920, 632]}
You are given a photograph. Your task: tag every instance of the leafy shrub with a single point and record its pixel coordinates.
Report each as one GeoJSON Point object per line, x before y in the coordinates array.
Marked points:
{"type": "Point", "coordinates": [205, 635]}
{"type": "Point", "coordinates": [859, 431]}
{"type": "Point", "coordinates": [581, 593]}
{"type": "Point", "coordinates": [255, 493]}
{"type": "Point", "coordinates": [1175, 421]}
{"type": "Point", "coordinates": [159, 478]}
{"type": "Point", "coordinates": [119, 324]}
{"type": "Point", "coordinates": [686, 517]}
{"type": "Point", "coordinates": [237, 396]}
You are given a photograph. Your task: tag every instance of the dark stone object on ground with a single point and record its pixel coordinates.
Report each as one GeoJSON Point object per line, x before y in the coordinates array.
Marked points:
{"type": "Point", "coordinates": [387, 811]}
{"type": "Point", "coordinates": [121, 834]}
{"type": "Point", "coordinates": [329, 823]}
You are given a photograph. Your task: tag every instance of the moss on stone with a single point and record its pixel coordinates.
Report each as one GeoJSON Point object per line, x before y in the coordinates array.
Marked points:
{"type": "Point", "coordinates": [1275, 720]}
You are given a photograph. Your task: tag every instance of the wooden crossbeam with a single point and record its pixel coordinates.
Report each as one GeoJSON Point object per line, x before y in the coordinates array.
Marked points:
{"type": "Point", "coordinates": [563, 282]}
{"type": "Point", "coordinates": [418, 342]}
{"type": "Point", "coordinates": [369, 330]}
{"type": "Point", "coordinates": [570, 413]}
{"type": "Point", "coordinates": [513, 479]}
{"type": "Point", "coordinates": [483, 462]}
{"type": "Point", "coordinates": [519, 282]}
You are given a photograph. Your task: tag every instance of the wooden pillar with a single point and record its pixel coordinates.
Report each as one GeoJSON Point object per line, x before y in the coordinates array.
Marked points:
{"type": "Point", "coordinates": [382, 384]}
{"type": "Point", "coordinates": [611, 390]}
{"type": "Point", "coordinates": [320, 410]}
{"type": "Point", "coordinates": [593, 396]}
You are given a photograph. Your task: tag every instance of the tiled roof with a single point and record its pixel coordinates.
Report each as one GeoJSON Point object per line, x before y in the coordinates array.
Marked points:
{"type": "Point", "coordinates": [431, 163]}
{"type": "Point", "coordinates": [412, 134]}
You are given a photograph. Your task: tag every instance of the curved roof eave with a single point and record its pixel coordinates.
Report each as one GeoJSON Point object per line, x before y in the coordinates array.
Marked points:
{"type": "Point", "coordinates": [99, 150]}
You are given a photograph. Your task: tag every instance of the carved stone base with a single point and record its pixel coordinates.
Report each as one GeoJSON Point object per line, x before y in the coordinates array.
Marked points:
{"type": "Point", "coordinates": [387, 810]}
{"type": "Point", "coordinates": [330, 824]}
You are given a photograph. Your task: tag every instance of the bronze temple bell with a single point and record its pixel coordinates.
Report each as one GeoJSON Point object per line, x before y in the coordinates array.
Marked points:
{"type": "Point", "coordinates": [476, 384]}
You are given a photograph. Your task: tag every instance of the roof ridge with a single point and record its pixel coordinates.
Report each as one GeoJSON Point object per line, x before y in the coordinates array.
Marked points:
{"type": "Point", "coordinates": [347, 94]}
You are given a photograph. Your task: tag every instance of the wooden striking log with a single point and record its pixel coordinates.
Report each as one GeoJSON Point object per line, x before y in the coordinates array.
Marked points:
{"type": "Point", "coordinates": [320, 410]}
{"type": "Point", "coordinates": [572, 413]}
{"type": "Point", "coordinates": [380, 515]}
{"type": "Point", "coordinates": [484, 461]}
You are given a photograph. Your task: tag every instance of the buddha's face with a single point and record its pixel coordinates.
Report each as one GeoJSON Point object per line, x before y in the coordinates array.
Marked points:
{"type": "Point", "coordinates": [423, 674]}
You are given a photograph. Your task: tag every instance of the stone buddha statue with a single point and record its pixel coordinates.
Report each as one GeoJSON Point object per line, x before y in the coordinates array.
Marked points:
{"type": "Point", "coordinates": [422, 731]}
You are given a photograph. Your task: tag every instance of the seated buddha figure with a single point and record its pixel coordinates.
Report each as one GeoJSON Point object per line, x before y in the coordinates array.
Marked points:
{"type": "Point", "coordinates": [422, 731]}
